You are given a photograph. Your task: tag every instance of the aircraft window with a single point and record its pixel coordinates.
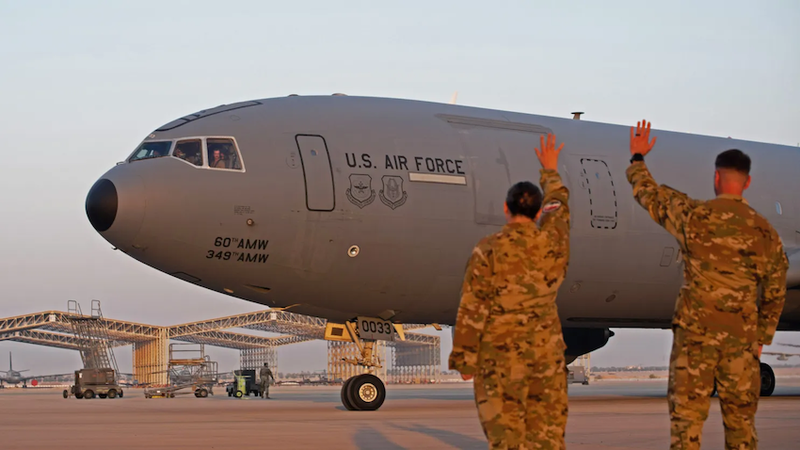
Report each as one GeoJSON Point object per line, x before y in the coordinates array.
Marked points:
{"type": "Point", "coordinates": [222, 154]}
{"type": "Point", "coordinates": [149, 150]}
{"type": "Point", "coordinates": [189, 150]}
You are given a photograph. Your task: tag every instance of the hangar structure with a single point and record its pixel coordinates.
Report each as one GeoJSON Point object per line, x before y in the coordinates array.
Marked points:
{"type": "Point", "coordinates": [416, 358]}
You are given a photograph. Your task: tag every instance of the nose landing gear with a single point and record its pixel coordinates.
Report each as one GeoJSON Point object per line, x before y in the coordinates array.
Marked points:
{"type": "Point", "coordinates": [363, 393]}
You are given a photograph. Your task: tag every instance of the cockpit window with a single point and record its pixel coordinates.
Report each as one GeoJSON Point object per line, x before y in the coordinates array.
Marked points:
{"type": "Point", "coordinates": [222, 154]}
{"type": "Point", "coordinates": [189, 150]}
{"type": "Point", "coordinates": [149, 150]}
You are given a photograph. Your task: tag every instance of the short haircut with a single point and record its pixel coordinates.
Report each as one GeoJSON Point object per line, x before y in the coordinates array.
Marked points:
{"type": "Point", "coordinates": [524, 199]}
{"type": "Point", "coordinates": [733, 159]}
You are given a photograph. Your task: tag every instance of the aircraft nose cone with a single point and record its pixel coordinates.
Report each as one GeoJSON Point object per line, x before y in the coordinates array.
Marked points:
{"type": "Point", "coordinates": [115, 206]}
{"type": "Point", "coordinates": [101, 205]}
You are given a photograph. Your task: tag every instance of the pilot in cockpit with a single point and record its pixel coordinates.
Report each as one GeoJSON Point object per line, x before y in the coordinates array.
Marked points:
{"type": "Point", "coordinates": [218, 160]}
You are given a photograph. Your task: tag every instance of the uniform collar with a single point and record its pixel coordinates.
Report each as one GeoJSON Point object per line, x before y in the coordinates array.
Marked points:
{"type": "Point", "coordinates": [738, 198]}
{"type": "Point", "coordinates": [520, 225]}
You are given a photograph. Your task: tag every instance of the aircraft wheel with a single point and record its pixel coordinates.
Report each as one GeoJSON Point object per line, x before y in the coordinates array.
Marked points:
{"type": "Point", "coordinates": [767, 380]}
{"type": "Point", "coordinates": [366, 392]}
{"type": "Point", "coordinates": [345, 401]}
{"type": "Point", "coordinates": [112, 394]}
{"type": "Point", "coordinates": [88, 394]}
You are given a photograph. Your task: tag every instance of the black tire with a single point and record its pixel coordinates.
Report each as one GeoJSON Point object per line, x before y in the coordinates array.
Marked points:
{"type": "Point", "coordinates": [88, 395]}
{"type": "Point", "coordinates": [345, 401]}
{"type": "Point", "coordinates": [102, 395]}
{"type": "Point", "coordinates": [121, 393]}
{"type": "Point", "coordinates": [767, 380]}
{"type": "Point", "coordinates": [202, 393]}
{"type": "Point", "coordinates": [66, 393]}
{"type": "Point", "coordinates": [239, 394]}
{"type": "Point", "coordinates": [230, 394]}
{"type": "Point", "coordinates": [78, 395]}
{"type": "Point", "coordinates": [366, 392]}
{"type": "Point", "coordinates": [112, 393]}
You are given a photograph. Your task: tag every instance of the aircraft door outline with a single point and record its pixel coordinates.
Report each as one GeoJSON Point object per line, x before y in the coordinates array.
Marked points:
{"type": "Point", "coordinates": [315, 160]}
{"type": "Point", "coordinates": [596, 177]}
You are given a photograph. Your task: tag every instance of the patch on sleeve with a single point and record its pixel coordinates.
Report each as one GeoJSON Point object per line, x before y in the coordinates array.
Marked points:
{"type": "Point", "coordinates": [552, 206]}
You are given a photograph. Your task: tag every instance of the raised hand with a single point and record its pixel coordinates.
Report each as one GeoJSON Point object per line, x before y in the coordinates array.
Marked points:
{"type": "Point", "coordinates": [639, 139]}
{"type": "Point", "coordinates": [548, 156]}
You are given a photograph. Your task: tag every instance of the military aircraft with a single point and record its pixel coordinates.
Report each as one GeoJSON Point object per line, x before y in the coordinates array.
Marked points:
{"type": "Point", "coordinates": [364, 211]}
{"type": "Point", "coordinates": [15, 376]}
{"type": "Point", "coordinates": [783, 356]}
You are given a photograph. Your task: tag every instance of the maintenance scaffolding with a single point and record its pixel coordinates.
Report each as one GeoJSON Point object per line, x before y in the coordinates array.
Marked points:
{"type": "Point", "coordinates": [416, 359]}
{"type": "Point", "coordinates": [92, 331]}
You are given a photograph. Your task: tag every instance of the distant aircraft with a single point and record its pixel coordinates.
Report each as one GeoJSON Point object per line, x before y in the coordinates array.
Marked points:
{"type": "Point", "coordinates": [783, 356]}
{"type": "Point", "coordinates": [364, 211]}
{"type": "Point", "coordinates": [15, 376]}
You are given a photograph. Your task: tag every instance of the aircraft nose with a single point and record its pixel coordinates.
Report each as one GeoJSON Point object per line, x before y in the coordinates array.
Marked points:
{"type": "Point", "coordinates": [101, 205]}
{"type": "Point", "coordinates": [115, 206]}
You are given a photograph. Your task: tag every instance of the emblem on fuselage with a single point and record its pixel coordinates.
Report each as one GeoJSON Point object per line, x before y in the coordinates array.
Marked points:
{"type": "Point", "coordinates": [392, 194]}
{"type": "Point", "coordinates": [360, 192]}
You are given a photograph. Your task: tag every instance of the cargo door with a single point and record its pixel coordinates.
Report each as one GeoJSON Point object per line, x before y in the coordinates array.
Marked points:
{"type": "Point", "coordinates": [316, 162]}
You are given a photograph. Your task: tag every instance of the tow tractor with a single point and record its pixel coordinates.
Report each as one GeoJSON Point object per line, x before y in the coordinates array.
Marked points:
{"type": "Point", "coordinates": [94, 382]}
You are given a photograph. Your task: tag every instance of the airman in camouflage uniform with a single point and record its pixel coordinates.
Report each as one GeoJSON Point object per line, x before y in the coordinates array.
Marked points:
{"type": "Point", "coordinates": [719, 326]}
{"type": "Point", "coordinates": [508, 334]}
{"type": "Point", "coordinates": [264, 376]}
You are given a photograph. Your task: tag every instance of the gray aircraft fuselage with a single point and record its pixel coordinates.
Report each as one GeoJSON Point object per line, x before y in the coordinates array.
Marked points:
{"type": "Point", "coordinates": [414, 185]}
{"type": "Point", "coordinates": [12, 376]}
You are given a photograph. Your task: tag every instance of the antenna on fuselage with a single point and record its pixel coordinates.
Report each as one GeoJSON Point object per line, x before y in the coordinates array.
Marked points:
{"type": "Point", "coordinates": [454, 98]}
{"type": "Point", "coordinates": [577, 115]}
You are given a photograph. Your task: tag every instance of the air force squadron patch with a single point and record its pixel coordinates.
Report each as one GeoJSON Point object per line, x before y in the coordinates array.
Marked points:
{"type": "Point", "coordinates": [360, 192]}
{"type": "Point", "coordinates": [552, 206]}
{"type": "Point", "coordinates": [392, 194]}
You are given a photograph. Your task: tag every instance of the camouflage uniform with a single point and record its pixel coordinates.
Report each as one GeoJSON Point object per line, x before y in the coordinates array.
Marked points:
{"type": "Point", "coordinates": [728, 251]}
{"type": "Point", "coordinates": [508, 334]}
{"type": "Point", "coordinates": [265, 374]}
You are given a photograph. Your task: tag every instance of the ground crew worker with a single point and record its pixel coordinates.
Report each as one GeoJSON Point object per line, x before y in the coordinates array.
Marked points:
{"type": "Point", "coordinates": [264, 375]}
{"type": "Point", "coordinates": [508, 334]}
{"type": "Point", "coordinates": [719, 326]}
